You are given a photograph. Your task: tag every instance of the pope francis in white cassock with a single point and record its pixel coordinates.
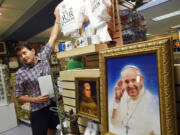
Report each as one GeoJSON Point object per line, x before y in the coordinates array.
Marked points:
{"type": "Point", "coordinates": [135, 110]}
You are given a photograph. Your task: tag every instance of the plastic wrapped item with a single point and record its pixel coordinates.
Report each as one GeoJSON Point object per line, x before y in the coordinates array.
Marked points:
{"type": "Point", "coordinates": [97, 13]}
{"type": "Point", "coordinates": [75, 34]}
{"type": "Point", "coordinates": [81, 42]}
{"type": "Point", "coordinates": [88, 30]}
{"type": "Point", "coordinates": [90, 35]}
{"type": "Point", "coordinates": [71, 15]}
{"type": "Point", "coordinates": [59, 86]}
{"type": "Point", "coordinates": [99, 8]}
{"type": "Point", "coordinates": [103, 34]}
{"type": "Point", "coordinates": [107, 3]}
{"type": "Point", "coordinates": [95, 39]}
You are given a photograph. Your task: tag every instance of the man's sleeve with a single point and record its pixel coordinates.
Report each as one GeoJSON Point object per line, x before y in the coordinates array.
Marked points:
{"type": "Point", "coordinates": [19, 88]}
{"type": "Point", "coordinates": [46, 52]}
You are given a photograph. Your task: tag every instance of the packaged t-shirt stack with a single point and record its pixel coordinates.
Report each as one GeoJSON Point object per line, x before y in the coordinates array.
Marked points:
{"type": "Point", "coordinates": [71, 15]}
{"type": "Point", "coordinates": [96, 11]}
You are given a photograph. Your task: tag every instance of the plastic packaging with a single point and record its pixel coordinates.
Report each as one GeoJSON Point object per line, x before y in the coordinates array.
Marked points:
{"type": "Point", "coordinates": [103, 34]}
{"type": "Point", "coordinates": [97, 13]}
{"type": "Point", "coordinates": [71, 15]}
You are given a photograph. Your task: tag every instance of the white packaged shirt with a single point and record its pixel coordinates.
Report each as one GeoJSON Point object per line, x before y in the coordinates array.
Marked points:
{"type": "Point", "coordinates": [71, 15]}
{"type": "Point", "coordinates": [103, 34]}
{"type": "Point", "coordinates": [96, 11]}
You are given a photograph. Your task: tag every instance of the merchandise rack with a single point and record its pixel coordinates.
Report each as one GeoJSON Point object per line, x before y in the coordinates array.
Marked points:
{"type": "Point", "coordinates": [92, 70]}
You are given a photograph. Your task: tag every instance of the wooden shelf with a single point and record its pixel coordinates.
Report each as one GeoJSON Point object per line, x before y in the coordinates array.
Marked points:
{"type": "Point", "coordinates": [70, 75]}
{"type": "Point", "coordinates": [176, 53]}
{"type": "Point", "coordinates": [82, 50]}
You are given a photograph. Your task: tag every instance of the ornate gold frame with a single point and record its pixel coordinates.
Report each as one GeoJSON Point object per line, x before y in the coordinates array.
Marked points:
{"type": "Point", "coordinates": [84, 114]}
{"type": "Point", "coordinates": [164, 52]}
{"type": "Point", "coordinates": [2, 48]}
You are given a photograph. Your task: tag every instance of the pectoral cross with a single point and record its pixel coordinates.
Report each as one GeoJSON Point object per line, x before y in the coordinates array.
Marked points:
{"type": "Point", "coordinates": [127, 128]}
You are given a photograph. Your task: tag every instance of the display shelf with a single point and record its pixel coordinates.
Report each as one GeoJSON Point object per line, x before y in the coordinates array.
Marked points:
{"type": "Point", "coordinates": [69, 93]}
{"type": "Point", "coordinates": [176, 57]}
{"type": "Point", "coordinates": [3, 104]}
{"type": "Point", "coordinates": [177, 54]}
{"type": "Point", "coordinates": [82, 50]}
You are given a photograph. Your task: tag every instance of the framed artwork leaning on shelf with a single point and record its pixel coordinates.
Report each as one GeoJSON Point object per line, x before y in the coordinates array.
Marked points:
{"type": "Point", "coordinates": [137, 95]}
{"type": "Point", "coordinates": [13, 62]}
{"type": "Point", "coordinates": [53, 59]}
{"type": "Point", "coordinates": [87, 98]}
{"type": "Point", "coordinates": [2, 48]}
{"type": "Point", "coordinates": [1, 60]}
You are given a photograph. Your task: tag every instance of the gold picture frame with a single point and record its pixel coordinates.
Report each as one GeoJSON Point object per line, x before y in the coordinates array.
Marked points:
{"type": "Point", "coordinates": [3, 48]}
{"type": "Point", "coordinates": [152, 61]}
{"type": "Point", "coordinates": [87, 98]}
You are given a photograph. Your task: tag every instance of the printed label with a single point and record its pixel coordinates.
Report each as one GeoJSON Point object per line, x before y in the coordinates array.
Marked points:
{"type": "Point", "coordinates": [95, 4]}
{"type": "Point", "coordinates": [67, 16]}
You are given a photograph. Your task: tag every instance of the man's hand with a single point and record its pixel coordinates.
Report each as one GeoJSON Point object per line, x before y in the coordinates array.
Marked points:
{"type": "Point", "coordinates": [55, 29]}
{"type": "Point", "coordinates": [56, 14]}
{"type": "Point", "coordinates": [119, 91]}
{"type": "Point", "coordinates": [41, 99]}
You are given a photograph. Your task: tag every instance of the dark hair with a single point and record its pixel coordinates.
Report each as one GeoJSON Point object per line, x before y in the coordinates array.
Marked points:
{"type": "Point", "coordinates": [20, 47]}
{"type": "Point", "coordinates": [81, 89]}
{"type": "Point", "coordinates": [84, 83]}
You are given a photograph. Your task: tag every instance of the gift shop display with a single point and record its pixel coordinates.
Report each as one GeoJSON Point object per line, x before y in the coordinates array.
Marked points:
{"type": "Point", "coordinates": [8, 118]}
{"type": "Point", "coordinates": [133, 26]}
{"type": "Point", "coordinates": [4, 85]}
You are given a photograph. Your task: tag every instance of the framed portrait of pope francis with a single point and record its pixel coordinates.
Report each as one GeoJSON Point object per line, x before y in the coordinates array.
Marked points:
{"type": "Point", "coordinates": [138, 91]}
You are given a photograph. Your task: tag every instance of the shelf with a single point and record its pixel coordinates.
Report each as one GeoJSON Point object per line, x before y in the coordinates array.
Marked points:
{"type": "Point", "coordinates": [3, 104]}
{"type": "Point", "coordinates": [72, 74]}
{"type": "Point", "coordinates": [82, 50]}
{"type": "Point", "coordinates": [176, 53]}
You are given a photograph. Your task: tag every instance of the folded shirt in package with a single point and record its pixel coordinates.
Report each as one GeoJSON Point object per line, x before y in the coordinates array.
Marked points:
{"type": "Point", "coordinates": [71, 15]}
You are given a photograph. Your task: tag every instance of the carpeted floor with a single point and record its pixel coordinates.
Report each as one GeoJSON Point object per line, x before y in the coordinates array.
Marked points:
{"type": "Point", "coordinates": [21, 129]}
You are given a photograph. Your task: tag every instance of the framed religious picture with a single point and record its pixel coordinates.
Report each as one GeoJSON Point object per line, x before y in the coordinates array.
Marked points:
{"type": "Point", "coordinates": [53, 59]}
{"type": "Point", "coordinates": [87, 98]}
{"type": "Point", "coordinates": [137, 95]}
{"type": "Point", "coordinates": [1, 60]}
{"type": "Point", "coordinates": [13, 62]}
{"type": "Point", "coordinates": [2, 48]}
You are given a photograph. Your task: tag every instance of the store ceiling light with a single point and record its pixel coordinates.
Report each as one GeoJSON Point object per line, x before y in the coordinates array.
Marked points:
{"type": "Point", "coordinates": [150, 4]}
{"type": "Point", "coordinates": [175, 27]}
{"type": "Point", "coordinates": [162, 17]}
{"type": "Point", "coordinates": [147, 34]}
